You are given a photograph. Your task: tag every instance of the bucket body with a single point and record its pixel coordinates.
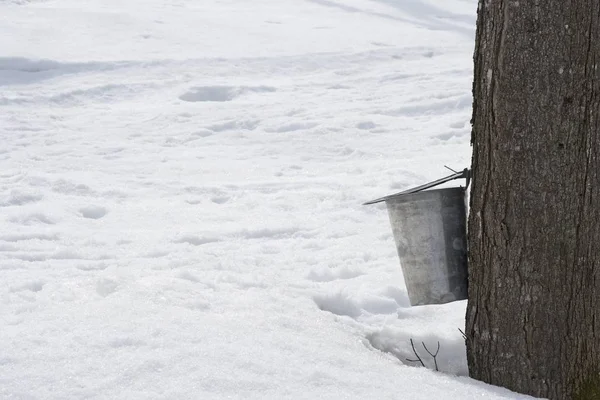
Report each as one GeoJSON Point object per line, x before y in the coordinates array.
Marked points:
{"type": "Point", "coordinates": [430, 233]}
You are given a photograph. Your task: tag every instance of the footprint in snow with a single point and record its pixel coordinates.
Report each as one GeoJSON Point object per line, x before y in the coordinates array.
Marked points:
{"type": "Point", "coordinates": [105, 287]}
{"type": "Point", "coordinates": [33, 286]}
{"type": "Point", "coordinates": [17, 198]}
{"type": "Point", "coordinates": [328, 275]}
{"type": "Point", "coordinates": [366, 125]}
{"type": "Point", "coordinates": [458, 125]}
{"type": "Point", "coordinates": [19, 237]}
{"type": "Point", "coordinates": [448, 136]}
{"type": "Point", "coordinates": [195, 240]}
{"type": "Point", "coordinates": [338, 303]}
{"type": "Point", "coordinates": [92, 266]}
{"type": "Point", "coordinates": [93, 212]}
{"type": "Point", "coordinates": [219, 199]}
{"type": "Point", "coordinates": [188, 276]}
{"type": "Point", "coordinates": [292, 127]}
{"type": "Point", "coordinates": [33, 219]}
{"type": "Point", "coordinates": [247, 125]}
{"type": "Point", "coordinates": [221, 93]}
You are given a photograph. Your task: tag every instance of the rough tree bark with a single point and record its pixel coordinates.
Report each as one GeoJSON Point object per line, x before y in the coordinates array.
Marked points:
{"type": "Point", "coordinates": [533, 316]}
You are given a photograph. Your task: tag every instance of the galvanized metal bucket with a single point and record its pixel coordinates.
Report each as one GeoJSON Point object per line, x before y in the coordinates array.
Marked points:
{"type": "Point", "coordinates": [429, 229]}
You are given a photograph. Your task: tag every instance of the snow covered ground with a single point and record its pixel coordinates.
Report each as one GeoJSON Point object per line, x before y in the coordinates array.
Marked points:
{"type": "Point", "coordinates": [180, 196]}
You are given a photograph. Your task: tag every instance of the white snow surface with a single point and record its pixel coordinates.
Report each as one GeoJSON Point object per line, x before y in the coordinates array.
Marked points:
{"type": "Point", "coordinates": [180, 197]}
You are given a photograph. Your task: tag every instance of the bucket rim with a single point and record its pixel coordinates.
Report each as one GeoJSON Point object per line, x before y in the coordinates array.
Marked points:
{"type": "Point", "coordinates": [423, 193]}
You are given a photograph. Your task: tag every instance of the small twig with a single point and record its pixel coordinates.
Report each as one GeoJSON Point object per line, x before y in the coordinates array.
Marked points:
{"type": "Point", "coordinates": [433, 355]}
{"type": "Point", "coordinates": [462, 333]}
{"type": "Point", "coordinates": [416, 354]}
{"type": "Point", "coordinates": [451, 169]}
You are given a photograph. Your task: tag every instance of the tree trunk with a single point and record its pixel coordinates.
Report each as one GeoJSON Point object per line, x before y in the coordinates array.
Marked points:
{"type": "Point", "coordinates": [533, 317]}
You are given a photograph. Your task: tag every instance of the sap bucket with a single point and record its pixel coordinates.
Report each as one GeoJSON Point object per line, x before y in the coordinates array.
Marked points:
{"type": "Point", "coordinates": [429, 229]}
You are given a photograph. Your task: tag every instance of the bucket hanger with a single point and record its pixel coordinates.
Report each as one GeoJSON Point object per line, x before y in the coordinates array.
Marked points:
{"type": "Point", "coordinates": [465, 173]}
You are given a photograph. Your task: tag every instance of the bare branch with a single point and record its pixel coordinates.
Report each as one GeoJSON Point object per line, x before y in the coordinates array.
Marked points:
{"type": "Point", "coordinates": [416, 354]}
{"type": "Point", "coordinates": [433, 355]}
{"type": "Point", "coordinates": [427, 350]}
